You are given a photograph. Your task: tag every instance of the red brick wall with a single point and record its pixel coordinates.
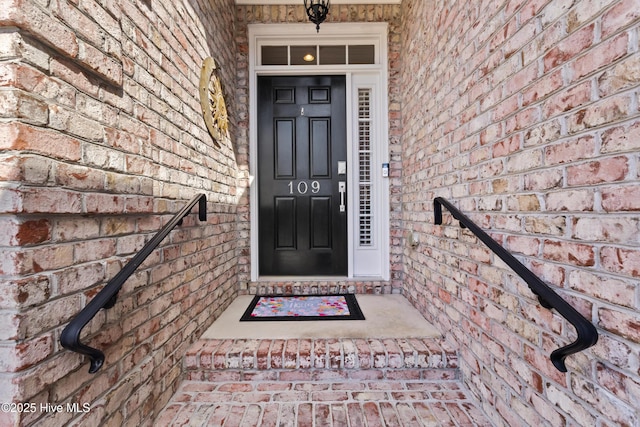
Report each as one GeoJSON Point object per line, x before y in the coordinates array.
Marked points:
{"type": "Point", "coordinates": [525, 115]}
{"type": "Point", "coordinates": [102, 140]}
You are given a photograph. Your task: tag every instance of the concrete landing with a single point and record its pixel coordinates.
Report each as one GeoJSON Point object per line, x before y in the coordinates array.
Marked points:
{"type": "Point", "coordinates": [386, 316]}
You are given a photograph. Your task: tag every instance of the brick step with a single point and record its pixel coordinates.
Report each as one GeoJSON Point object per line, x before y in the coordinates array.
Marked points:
{"type": "Point", "coordinates": [321, 359]}
{"type": "Point", "coordinates": [323, 403]}
{"type": "Point", "coordinates": [322, 382]}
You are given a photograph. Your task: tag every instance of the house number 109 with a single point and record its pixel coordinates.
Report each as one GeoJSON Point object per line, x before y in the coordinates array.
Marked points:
{"type": "Point", "coordinates": [303, 187]}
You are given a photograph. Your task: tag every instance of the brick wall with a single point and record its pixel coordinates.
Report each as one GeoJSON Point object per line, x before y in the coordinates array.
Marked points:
{"type": "Point", "coordinates": [525, 115]}
{"type": "Point", "coordinates": [338, 13]}
{"type": "Point", "coordinates": [102, 140]}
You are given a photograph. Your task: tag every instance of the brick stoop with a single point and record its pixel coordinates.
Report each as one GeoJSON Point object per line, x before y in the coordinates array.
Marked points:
{"type": "Point", "coordinates": [322, 382]}
{"type": "Point", "coordinates": [319, 359]}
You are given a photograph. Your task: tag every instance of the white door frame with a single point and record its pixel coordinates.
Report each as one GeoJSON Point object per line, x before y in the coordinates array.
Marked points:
{"type": "Point", "coordinates": [365, 263]}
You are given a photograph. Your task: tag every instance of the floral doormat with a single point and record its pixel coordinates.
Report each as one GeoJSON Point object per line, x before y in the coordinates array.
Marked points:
{"type": "Point", "coordinates": [303, 307]}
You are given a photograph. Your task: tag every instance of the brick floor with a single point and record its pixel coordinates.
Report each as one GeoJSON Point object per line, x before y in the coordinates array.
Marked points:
{"type": "Point", "coordinates": [321, 382]}
{"type": "Point", "coordinates": [322, 403]}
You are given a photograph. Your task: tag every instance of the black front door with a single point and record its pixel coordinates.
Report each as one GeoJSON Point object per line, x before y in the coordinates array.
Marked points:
{"type": "Point", "coordinates": [302, 175]}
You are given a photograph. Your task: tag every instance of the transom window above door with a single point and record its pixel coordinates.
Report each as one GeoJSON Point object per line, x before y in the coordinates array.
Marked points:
{"type": "Point", "coordinates": [351, 54]}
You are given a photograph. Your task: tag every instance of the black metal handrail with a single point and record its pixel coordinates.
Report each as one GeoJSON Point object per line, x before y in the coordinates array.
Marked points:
{"type": "Point", "coordinates": [587, 333]}
{"type": "Point", "coordinates": [106, 298]}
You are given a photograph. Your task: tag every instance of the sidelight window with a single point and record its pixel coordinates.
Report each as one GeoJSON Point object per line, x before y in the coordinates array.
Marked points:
{"type": "Point", "coordinates": [365, 213]}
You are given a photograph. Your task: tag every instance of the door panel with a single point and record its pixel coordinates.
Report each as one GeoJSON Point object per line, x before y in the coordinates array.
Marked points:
{"type": "Point", "coordinates": [320, 148]}
{"type": "Point", "coordinates": [301, 138]}
{"type": "Point", "coordinates": [320, 223]}
{"type": "Point", "coordinates": [285, 215]}
{"type": "Point", "coordinates": [285, 150]}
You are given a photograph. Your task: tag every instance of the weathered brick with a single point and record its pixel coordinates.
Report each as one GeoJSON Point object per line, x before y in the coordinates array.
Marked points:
{"type": "Point", "coordinates": [31, 352]}
{"type": "Point", "coordinates": [613, 109]}
{"type": "Point", "coordinates": [123, 184]}
{"type": "Point", "coordinates": [28, 292]}
{"type": "Point", "coordinates": [598, 172]}
{"type": "Point", "coordinates": [37, 170]}
{"type": "Point", "coordinates": [51, 200]}
{"type": "Point", "coordinates": [622, 75]}
{"type": "Point", "coordinates": [620, 260]}
{"type": "Point", "coordinates": [543, 133]}
{"type": "Point", "coordinates": [623, 323]}
{"type": "Point", "coordinates": [15, 104]}
{"type": "Point", "coordinates": [574, 200]}
{"type": "Point", "coordinates": [524, 161]}
{"type": "Point", "coordinates": [622, 230]}
{"type": "Point", "coordinates": [544, 180]}
{"type": "Point", "coordinates": [570, 253]}
{"type": "Point", "coordinates": [75, 124]}
{"type": "Point", "coordinates": [32, 80]}
{"type": "Point", "coordinates": [49, 315]}
{"type": "Point", "coordinates": [79, 278]}
{"type": "Point", "coordinates": [82, 23]}
{"type": "Point", "coordinates": [121, 140]}
{"type": "Point", "coordinates": [618, 17]}
{"type": "Point", "coordinates": [523, 245]}
{"type": "Point", "coordinates": [604, 288]}
{"type": "Point", "coordinates": [600, 56]}
{"type": "Point", "coordinates": [28, 16]}
{"type": "Point", "coordinates": [11, 44]}
{"type": "Point", "coordinates": [11, 169]}
{"type": "Point", "coordinates": [570, 151]}
{"type": "Point", "coordinates": [625, 198]}
{"type": "Point", "coordinates": [51, 257]}
{"type": "Point", "coordinates": [525, 202]}
{"type": "Point", "coordinates": [102, 64]}
{"type": "Point", "coordinates": [71, 73]}
{"type": "Point", "coordinates": [79, 177]}
{"type": "Point", "coordinates": [541, 88]}
{"type": "Point", "coordinates": [18, 136]}
{"type": "Point", "coordinates": [15, 233]}
{"type": "Point", "coordinates": [567, 100]}
{"type": "Point", "coordinates": [618, 383]}
{"type": "Point", "coordinates": [76, 229]}
{"type": "Point", "coordinates": [577, 42]}
{"type": "Point", "coordinates": [104, 203]}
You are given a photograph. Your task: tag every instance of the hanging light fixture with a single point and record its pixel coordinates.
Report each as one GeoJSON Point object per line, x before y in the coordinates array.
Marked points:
{"type": "Point", "coordinates": [317, 11]}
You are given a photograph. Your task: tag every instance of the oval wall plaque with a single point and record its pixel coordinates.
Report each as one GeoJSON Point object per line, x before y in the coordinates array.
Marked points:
{"type": "Point", "coordinates": [214, 109]}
